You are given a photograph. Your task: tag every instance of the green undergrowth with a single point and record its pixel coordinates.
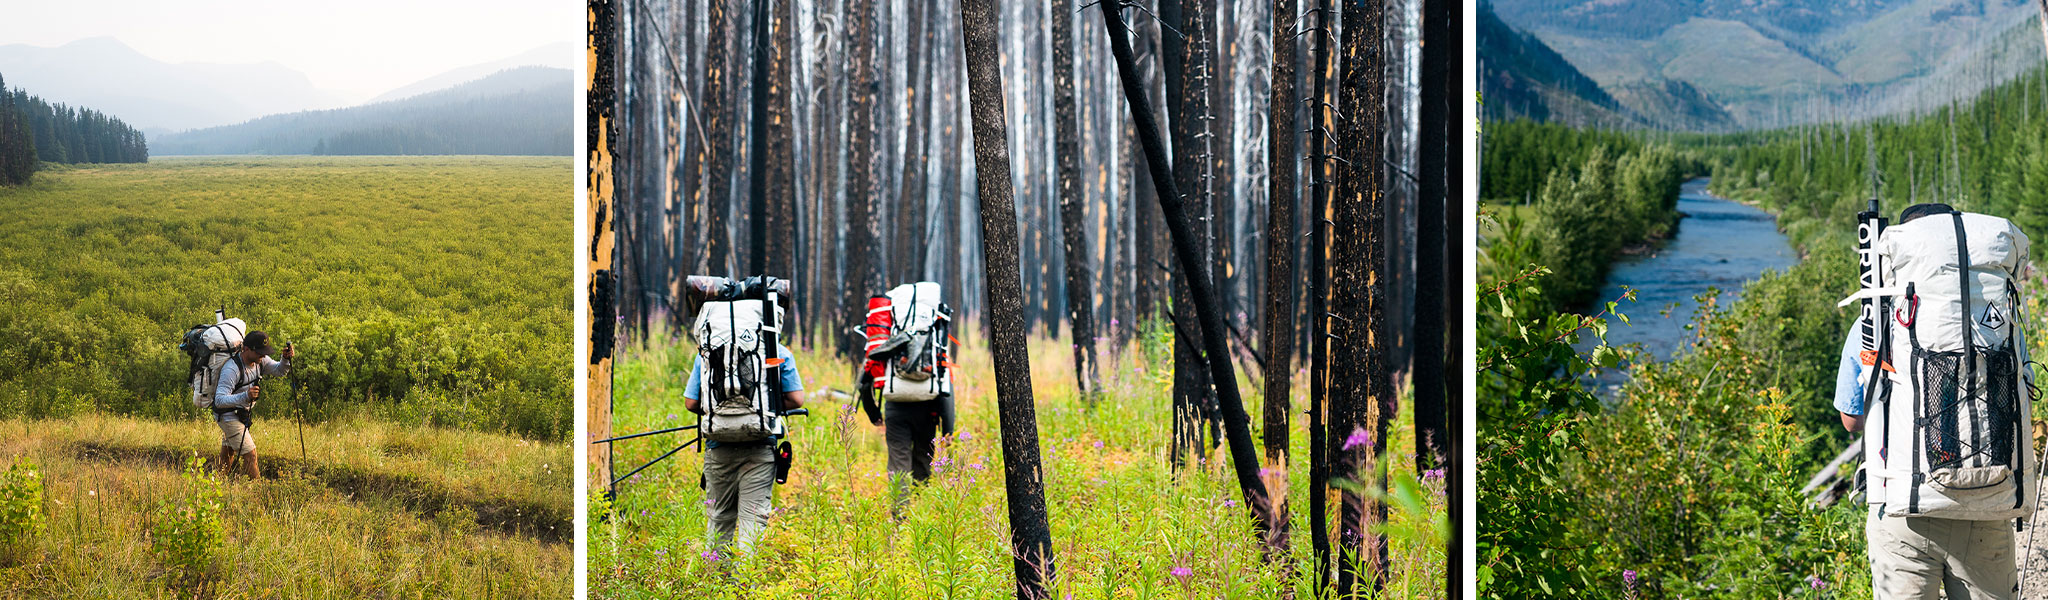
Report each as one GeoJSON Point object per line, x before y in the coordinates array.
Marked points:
{"type": "Point", "coordinates": [373, 510]}
{"type": "Point", "coordinates": [1122, 519]}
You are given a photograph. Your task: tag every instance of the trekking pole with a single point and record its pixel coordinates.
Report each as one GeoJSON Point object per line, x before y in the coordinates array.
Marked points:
{"type": "Point", "coordinates": [298, 402]}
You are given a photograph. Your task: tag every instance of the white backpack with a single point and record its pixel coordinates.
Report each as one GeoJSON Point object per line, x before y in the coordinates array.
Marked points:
{"type": "Point", "coordinates": [918, 356]}
{"type": "Point", "coordinates": [736, 387]}
{"type": "Point", "coordinates": [1948, 437]}
{"type": "Point", "coordinates": [208, 348]}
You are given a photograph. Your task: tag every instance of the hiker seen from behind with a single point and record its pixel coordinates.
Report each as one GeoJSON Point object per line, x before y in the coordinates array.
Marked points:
{"type": "Point", "coordinates": [742, 397]}
{"type": "Point", "coordinates": [1934, 373]}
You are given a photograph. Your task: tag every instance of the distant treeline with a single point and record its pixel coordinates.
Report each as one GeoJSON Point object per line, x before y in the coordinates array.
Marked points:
{"type": "Point", "coordinates": [1988, 156]}
{"type": "Point", "coordinates": [522, 111]}
{"type": "Point", "coordinates": [32, 130]}
{"type": "Point", "coordinates": [1590, 194]}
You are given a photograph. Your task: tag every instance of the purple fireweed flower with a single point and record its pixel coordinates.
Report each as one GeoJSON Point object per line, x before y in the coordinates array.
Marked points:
{"type": "Point", "coordinates": [1816, 582]}
{"type": "Point", "coordinates": [1433, 474]}
{"type": "Point", "coordinates": [709, 502]}
{"type": "Point", "coordinates": [966, 435]}
{"type": "Point", "coordinates": [1182, 572]}
{"type": "Point", "coordinates": [978, 466]}
{"type": "Point", "coordinates": [1098, 444]}
{"type": "Point", "coordinates": [1229, 503]}
{"type": "Point", "coordinates": [1359, 437]}
{"type": "Point", "coordinates": [1268, 472]}
{"type": "Point", "coordinates": [1629, 577]}
{"type": "Point", "coordinates": [713, 556]}
{"type": "Point", "coordinates": [671, 416]}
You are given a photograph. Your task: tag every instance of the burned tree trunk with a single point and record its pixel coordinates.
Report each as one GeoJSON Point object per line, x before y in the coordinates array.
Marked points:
{"type": "Point", "coordinates": [1191, 396]}
{"type": "Point", "coordinates": [781, 173]}
{"type": "Point", "coordinates": [910, 239]}
{"type": "Point", "coordinates": [1080, 294]}
{"type": "Point", "coordinates": [1359, 375]}
{"type": "Point", "coordinates": [1279, 331]}
{"type": "Point", "coordinates": [1432, 253]}
{"type": "Point", "coordinates": [1319, 162]}
{"type": "Point", "coordinates": [757, 141]}
{"type": "Point", "coordinates": [599, 138]}
{"type": "Point", "coordinates": [718, 165]}
{"type": "Point", "coordinates": [1024, 480]}
{"type": "Point", "coordinates": [1244, 456]}
{"type": "Point", "coordinates": [1440, 183]}
{"type": "Point", "coordinates": [863, 221]}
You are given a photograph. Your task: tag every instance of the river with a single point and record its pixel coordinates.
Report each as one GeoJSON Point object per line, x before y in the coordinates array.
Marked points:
{"type": "Point", "coordinates": [1720, 244]}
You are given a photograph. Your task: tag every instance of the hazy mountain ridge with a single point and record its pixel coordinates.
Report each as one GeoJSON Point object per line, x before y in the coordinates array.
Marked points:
{"type": "Point", "coordinates": [153, 95]}
{"type": "Point", "coordinates": [522, 111]}
{"type": "Point", "coordinates": [1775, 62]}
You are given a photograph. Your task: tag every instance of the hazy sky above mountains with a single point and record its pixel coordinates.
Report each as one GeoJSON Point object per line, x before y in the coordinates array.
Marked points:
{"type": "Point", "coordinates": [358, 48]}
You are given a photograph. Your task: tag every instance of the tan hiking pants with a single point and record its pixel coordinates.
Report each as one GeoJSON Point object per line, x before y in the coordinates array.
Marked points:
{"type": "Point", "coordinates": [1917, 558]}
{"type": "Point", "coordinates": [739, 492]}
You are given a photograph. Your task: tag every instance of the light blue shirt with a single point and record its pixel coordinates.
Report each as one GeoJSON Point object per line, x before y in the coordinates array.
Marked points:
{"type": "Point", "coordinates": [1849, 393]}
{"type": "Point", "coordinates": [791, 381]}
{"type": "Point", "coordinates": [231, 388]}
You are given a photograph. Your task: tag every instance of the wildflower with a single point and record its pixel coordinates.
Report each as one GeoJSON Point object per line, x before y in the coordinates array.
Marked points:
{"type": "Point", "coordinates": [671, 416]}
{"type": "Point", "coordinates": [709, 502]}
{"type": "Point", "coordinates": [1433, 474]}
{"type": "Point", "coordinates": [1227, 502]}
{"type": "Point", "coordinates": [1182, 572]}
{"type": "Point", "coordinates": [966, 435]}
{"type": "Point", "coordinates": [1816, 582]}
{"type": "Point", "coordinates": [1098, 444]}
{"type": "Point", "coordinates": [1629, 577]}
{"type": "Point", "coordinates": [977, 466]}
{"type": "Point", "coordinates": [661, 552]}
{"type": "Point", "coordinates": [713, 556]}
{"type": "Point", "coordinates": [1268, 472]}
{"type": "Point", "coordinates": [643, 512]}
{"type": "Point", "coordinates": [1359, 437]}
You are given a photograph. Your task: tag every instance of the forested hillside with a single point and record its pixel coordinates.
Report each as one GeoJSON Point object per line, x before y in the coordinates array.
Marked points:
{"type": "Point", "coordinates": [522, 111]}
{"type": "Point", "coordinates": [34, 130]}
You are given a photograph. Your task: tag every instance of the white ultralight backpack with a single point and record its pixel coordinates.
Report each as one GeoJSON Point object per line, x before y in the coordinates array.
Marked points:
{"type": "Point", "coordinates": [1950, 437]}
{"type": "Point", "coordinates": [208, 348]}
{"type": "Point", "coordinates": [917, 351]}
{"type": "Point", "coordinates": [736, 387]}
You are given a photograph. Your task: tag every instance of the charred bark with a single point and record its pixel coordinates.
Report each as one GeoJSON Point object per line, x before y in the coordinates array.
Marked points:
{"type": "Point", "coordinates": [1280, 279]}
{"type": "Point", "coordinates": [1441, 184]}
{"type": "Point", "coordinates": [1080, 292]}
{"type": "Point", "coordinates": [863, 220]}
{"type": "Point", "coordinates": [1360, 379]}
{"type": "Point", "coordinates": [1244, 456]}
{"type": "Point", "coordinates": [719, 164]}
{"type": "Point", "coordinates": [1023, 479]}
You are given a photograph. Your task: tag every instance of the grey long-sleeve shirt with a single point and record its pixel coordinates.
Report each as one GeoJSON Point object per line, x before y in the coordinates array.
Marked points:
{"type": "Point", "coordinates": [233, 389]}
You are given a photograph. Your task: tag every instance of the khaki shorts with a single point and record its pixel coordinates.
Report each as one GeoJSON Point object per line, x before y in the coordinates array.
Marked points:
{"type": "Point", "coordinates": [235, 436]}
{"type": "Point", "coordinates": [1920, 557]}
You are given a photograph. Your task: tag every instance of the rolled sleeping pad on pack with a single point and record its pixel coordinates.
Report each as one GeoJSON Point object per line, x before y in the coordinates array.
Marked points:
{"type": "Point", "coordinates": [881, 318]}
{"type": "Point", "coordinates": [698, 289]}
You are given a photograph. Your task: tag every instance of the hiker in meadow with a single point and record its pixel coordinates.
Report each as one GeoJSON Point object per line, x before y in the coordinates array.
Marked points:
{"type": "Point", "coordinates": [236, 389]}
{"type": "Point", "coordinates": [909, 367]}
{"type": "Point", "coordinates": [1934, 373]}
{"type": "Point", "coordinates": [741, 424]}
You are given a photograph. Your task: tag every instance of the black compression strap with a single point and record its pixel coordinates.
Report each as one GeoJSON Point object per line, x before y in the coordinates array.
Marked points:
{"type": "Point", "coordinates": [1969, 326]}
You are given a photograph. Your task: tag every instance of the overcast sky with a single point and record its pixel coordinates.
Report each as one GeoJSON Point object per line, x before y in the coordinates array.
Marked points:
{"type": "Point", "coordinates": [359, 48]}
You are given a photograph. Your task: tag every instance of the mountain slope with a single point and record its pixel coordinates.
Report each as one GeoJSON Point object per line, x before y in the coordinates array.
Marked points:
{"type": "Point", "coordinates": [527, 110]}
{"type": "Point", "coordinates": [1776, 62]}
{"type": "Point", "coordinates": [153, 95]}
{"type": "Point", "coordinates": [1520, 77]}
{"type": "Point", "coordinates": [560, 55]}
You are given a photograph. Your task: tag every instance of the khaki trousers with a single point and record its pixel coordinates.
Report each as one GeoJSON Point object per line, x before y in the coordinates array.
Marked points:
{"type": "Point", "coordinates": [739, 490]}
{"type": "Point", "coordinates": [1920, 557]}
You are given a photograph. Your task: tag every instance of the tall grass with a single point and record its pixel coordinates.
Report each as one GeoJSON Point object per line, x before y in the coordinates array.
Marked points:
{"type": "Point", "coordinates": [374, 510]}
{"type": "Point", "coordinates": [1122, 520]}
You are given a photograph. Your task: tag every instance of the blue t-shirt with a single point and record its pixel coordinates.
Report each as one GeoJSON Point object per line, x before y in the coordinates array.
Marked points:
{"type": "Point", "coordinates": [791, 381]}
{"type": "Point", "coordinates": [1848, 393]}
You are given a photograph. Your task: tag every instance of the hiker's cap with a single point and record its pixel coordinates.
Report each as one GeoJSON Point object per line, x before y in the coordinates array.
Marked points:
{"type": "Point", "coordinates": [1923, 209]}
{"type": "Point", "coordinates": [258, 341]}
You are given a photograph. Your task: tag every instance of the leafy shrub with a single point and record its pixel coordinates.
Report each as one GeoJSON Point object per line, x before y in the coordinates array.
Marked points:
{"type": "Point", "coordinates": [22, 515]}
{"type": "Point", "coordinates": [188, 534]}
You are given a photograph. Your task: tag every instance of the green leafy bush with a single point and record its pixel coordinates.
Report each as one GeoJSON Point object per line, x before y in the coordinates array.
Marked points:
{"type": "Point", "coordinates": [188, 534]}
{"type": "Point", "coordinates": [22, 515]}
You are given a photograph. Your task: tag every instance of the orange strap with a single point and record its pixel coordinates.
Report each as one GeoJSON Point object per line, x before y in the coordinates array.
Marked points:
{"type": "Point", "coordinates": [775, 362]}
{"type": "Point", "coordinates": [956, 341]}
{"type": "Point", "coordinates": [1869, 357]}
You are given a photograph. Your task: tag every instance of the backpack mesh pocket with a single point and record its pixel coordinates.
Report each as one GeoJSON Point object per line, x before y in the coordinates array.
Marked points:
{"type": "Point", "coordinates": [1973, 427]}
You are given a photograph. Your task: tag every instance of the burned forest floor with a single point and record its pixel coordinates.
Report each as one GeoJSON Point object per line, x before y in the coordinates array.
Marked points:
{"type": "Point", "coordinates": [1125, 523]}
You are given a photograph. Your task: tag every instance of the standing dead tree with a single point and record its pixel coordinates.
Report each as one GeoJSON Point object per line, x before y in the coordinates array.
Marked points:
{"type": "Point", "coordinates": [1244, 456]}
{"type": "Point", "coordinates": [1360, 373]}
{"type": "Point", "coordinates": [1321, 108]}
{"type": "Point", "coordinates": [1080, 296]}
{"type": "Point", "coordinates": [1023, 478]}
{"type": "Point", "coordinates": [863, 219]}
{"type": "Point", "coordinates": [1438, 322]}
{"type": "Point", "coordinates": [1280, 274]}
